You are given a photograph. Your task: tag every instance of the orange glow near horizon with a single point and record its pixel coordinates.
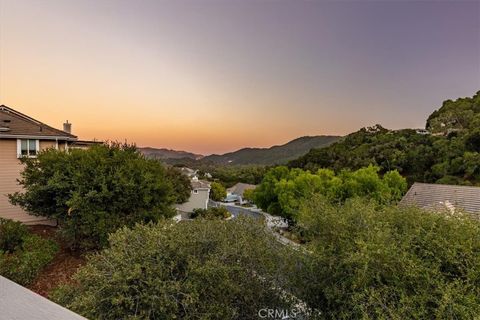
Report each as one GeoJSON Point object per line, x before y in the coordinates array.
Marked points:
{"type": "Point", "coordinates": [217, 77]}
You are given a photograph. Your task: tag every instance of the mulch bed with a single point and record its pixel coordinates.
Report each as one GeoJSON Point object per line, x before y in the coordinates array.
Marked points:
{"type": "Point", "coordinates": [61, 269]}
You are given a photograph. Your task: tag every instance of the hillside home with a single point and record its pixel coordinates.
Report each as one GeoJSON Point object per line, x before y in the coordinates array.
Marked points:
{"type": "Point", "coordinates": [189, 172]}
{"type": "Point", "coordinates": [199, 196]}
{"type": "Point", "coordinates": [441, 197]}
{"type": "Point", "coordinates": [23, 136]}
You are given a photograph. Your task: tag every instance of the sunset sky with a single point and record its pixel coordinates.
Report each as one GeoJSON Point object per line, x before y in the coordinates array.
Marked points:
{"type": "Point", "coordinates": [215, 76]}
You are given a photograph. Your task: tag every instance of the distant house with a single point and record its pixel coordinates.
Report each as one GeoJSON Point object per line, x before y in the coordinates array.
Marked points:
{"type": "Point", "coordinates": [199, 196]}
{"type": "Point", "coordinates": [443, 197]}
{"type": "Point", "coordinates": [23, 136]}
{"type": "Point", "coordinates": [422, 131]}
{"type": "Point", "coordinates": [189, 172]}
{"type": "Point", "coordinates": [235, 193]}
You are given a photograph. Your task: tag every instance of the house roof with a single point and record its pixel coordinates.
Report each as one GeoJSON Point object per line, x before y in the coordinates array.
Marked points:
{"type": "Point", "coordinates": [200, 184]}
{"type": "Point", "coordinates": [441, 196]}
{"type": "Point", "coordinates": [240, 188]}
{"type": "Point", "coordinates": [14, 124]}
{"type": "Point", "coordinates": [17, 302]}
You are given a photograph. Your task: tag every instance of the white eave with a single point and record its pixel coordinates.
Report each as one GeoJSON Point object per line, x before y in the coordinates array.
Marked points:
{"type": "Point", "coordinates": [20, 136]}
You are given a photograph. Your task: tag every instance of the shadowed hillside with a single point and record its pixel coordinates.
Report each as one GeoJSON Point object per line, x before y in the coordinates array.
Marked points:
{"type": "Point", "coordinates": [274, 155]}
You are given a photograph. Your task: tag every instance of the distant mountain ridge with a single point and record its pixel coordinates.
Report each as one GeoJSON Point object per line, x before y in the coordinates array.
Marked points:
{"type": "Point", "coordinates": [279, 154]}
{"type": "Point", "coordinates": [165, 154]}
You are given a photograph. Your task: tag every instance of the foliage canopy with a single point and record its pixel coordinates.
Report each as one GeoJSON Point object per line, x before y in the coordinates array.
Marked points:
{"type": "Point", "coordinates": [448, 154]}
{"type": "Point", "coordinates": [201, 269]}
{"type": "Point", "coordinates": [371, 262]}
{"type": "Point", "coordinates": [283, 190]}
{"type": "Point", "coordinates": [94, 192]}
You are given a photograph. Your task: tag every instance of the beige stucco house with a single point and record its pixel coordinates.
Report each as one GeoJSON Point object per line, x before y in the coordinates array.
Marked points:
{"type": "Point", "coordinates": [23, 136]}
{"type": "Point", "coordinates": [199, 196]}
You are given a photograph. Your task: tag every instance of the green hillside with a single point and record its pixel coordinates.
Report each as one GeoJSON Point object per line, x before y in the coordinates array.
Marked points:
{"type": "Point", "coordinates": [449, 153]}
{"type": "Point", "coordinates": [274, 155]}
{"type": "Point", "coordinates": [163, 154]}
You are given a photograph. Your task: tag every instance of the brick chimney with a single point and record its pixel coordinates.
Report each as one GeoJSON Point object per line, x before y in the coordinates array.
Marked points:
{"type": "Point", "coordinates": [67, 127]}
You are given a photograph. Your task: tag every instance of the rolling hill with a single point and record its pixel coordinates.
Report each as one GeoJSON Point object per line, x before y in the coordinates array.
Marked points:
{"type": "Point", "coordinates": [274, 155]}
{"type": "Point", "coordinates": [166, 154]}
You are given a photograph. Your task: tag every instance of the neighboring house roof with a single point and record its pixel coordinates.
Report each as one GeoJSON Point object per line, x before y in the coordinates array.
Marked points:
{"type": "Point", "coordinates": [189, 172]}
{"type": "Point", "coordinates": [240, 188]}
{"type": "Point", "coordinates": [17, 302]}
{"type": "Point", "coordinates": [200, 184]}
{"type": "Point", "coordinates": [14, 124]}
{"type": "Point", "coordinates": [441, 196]}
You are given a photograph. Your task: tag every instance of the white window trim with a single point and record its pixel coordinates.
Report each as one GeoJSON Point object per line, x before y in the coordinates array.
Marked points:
{"type": "Point", "coordinates": [19, 148]}
{"type": "Point", "coordinates": [195, 191]}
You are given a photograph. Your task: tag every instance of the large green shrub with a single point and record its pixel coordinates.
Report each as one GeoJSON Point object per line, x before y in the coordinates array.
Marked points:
{"type": "Point", "coordinates": [217, 191]}
{"type": "Point", "coordinates": [283, 190]}
{"type": "Point", "coordinates": [24, 263]}
{"type": "Point", "coordinates": [96, 191]}
{"type": "Point", "coordinates": [12, 234]}
{"type": "Point", "coordinates": [201, 269]}
{"type": "Point", "coordinates": [375, 262]}
{"type": "Point", "coordinates": [211, 213]}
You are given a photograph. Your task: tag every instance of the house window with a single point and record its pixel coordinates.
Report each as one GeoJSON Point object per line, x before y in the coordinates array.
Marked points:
{"type": "Point", "coordinates": [195, 191]}
{"type": "Point", "coordinates": [27, 147]}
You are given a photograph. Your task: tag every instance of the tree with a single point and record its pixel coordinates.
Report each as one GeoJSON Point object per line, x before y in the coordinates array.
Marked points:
{"type": "Point", "coordinates": [434, 158]}
{"type": "Point", "coordinates": [181, 184]}
{"type": "Point", "coordinates": [374, 262]}
{"type": "Point", "coordinates": [248, 195]}
{"type": "Point", "coordinates": [203, 269]}
{"type": "Point", "coordinates": [472, 142]}
{"type": "Point", "coordinates": [217, 191]}
{"type": "Point", "coordinates": [96, 191]}
{"type": "Point", "coordinates": [284, 190]}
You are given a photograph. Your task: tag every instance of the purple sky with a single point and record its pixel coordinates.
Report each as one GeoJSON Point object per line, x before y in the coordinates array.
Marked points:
{"type": "Point", "coordinates": [213, 76]}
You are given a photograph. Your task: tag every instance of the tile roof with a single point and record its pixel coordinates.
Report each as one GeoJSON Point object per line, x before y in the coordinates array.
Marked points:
{"type": "Point", "coordinates": [440, 196]}
{"type": "Point", "coordinates": [14, 123]}
{"type": "Point", "coordinates": [200, 184]}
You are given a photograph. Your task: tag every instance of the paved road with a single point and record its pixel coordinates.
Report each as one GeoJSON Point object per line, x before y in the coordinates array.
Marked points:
{"type": "Point", "coordinates": [237, 211]}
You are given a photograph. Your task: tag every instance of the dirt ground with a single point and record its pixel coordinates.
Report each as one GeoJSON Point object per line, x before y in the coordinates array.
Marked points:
{"type": "Point", "coordinates": [61, 269]}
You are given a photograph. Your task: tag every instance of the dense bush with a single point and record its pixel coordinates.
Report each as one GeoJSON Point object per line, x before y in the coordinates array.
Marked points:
{"type": "Point", "coordinates": [283, 190]}
{"type": "Point", "coordinates": [94, 192]}
{"type": "Point", "coordinates": [362, 260]}
{"type": "Point", "coordinates": [12, 234]}
{"type": "Point", "coordinates": [30, 255]}
{"type": "Point", "coordinates": [211, 213]}
{"type": "Point", "coordinates": [192, 270]}
{"type": "Point", "coordinates": [371, 262]}
{"type": "Point", "coordinates": [229, 175]}
{"type": "Point", "coordinates": [248, 195]}
{"type": "Point", "coordinates": [217, 191]}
